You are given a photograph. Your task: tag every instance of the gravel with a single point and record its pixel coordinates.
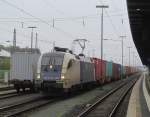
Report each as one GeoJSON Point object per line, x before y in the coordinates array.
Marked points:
{"type": "Point", "coordinates": [17, 99]}
{"type": "Point", "coordinates": [72, 106]}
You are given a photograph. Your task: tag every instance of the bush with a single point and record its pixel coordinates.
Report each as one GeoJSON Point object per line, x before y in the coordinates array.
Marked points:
{"type": "Point", "coordinates": [5, 64]}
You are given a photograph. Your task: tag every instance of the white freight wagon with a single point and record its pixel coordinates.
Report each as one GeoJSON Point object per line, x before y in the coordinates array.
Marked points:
{"type": "Point", "coordinates": [23, 69]}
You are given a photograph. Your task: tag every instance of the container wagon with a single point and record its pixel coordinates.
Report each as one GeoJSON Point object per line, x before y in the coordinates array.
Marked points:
{"type": "Point", "coordinates": [61, 71]}
{"type": "Point", "coordinates": [23, 69]}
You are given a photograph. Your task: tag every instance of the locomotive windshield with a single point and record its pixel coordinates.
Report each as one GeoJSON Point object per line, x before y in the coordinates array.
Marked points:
{"type": "Point", "coordinates": [51, 66]}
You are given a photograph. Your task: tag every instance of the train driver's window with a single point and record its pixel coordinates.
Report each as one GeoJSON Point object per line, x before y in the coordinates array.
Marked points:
{"type": "Point", "coordinates": [69, 64]}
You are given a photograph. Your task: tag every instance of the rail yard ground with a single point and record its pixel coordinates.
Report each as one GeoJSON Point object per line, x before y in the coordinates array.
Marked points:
{"type": "Point", "coordinates": [73, 105]}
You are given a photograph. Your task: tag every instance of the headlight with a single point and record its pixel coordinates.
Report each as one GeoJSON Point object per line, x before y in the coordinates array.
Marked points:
{"type": "Point", "coordinates": [38, 76]}
{"type": "Point", "coordinates": [62, 77]}
{"type": "Point", "coordinates": [50, 66]}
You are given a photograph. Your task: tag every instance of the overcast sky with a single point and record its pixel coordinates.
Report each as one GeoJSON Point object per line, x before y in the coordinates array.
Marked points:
{"type": "Point", "coordinates": [72, 19]}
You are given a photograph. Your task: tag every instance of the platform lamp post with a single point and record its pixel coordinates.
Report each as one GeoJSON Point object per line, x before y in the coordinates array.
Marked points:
{"type": "Point", "coordinates": [122, 37]}
{"type": "Point", "coordinates": [36, 40]}
{"type": "Point", "coordinates": [102, 25]}
{"type": "Point", "coordinates": [133, 58]}
{"type": "Point", "coordinates": [32, 27]}
{"type": "Point", "coordinates": [129, 54]}
{"type": "Point", "coordinates": [102, 28]}
{"type": "Point", "coordinates": [136, 62]}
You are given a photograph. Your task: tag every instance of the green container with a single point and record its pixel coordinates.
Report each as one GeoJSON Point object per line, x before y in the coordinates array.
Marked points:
{"type": "Point", "coordinates": [4, 63]}
{"type": "Point", "coordinates": [2, 73]}
{"type": "Point", "coordinates": [123, 72]}
{"type": "Point", "coordinates": [109, 70]}
{"type": "Point", "coordinates": [4, 66]}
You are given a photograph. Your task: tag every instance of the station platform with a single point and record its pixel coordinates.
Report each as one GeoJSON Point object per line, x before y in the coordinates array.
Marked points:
{"type": "Point", "coordinates": [139, 103]}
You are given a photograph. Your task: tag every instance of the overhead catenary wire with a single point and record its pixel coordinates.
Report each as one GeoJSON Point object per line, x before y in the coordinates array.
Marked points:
{"type": "Point", "coordinates": [24, 36]}
{"type": "Point", "coordinates": [83, 17]}
{"type": "Point", "coordinates": [116, 7]}
{"type": "Point", "coordinates": [53, 19]}
{"type": "Point", "coordinates": [113, 26]}
{"type": "Point", "coordinates": [59, 11]}
{"type": "Point", "coordinates": [48, 2]}
{"type": "Point", "coordinates": [41, 20]}
{"type": "Point", "coordinates": [122, 20]}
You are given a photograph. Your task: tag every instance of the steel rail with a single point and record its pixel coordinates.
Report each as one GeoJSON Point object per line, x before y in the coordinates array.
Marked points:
{"type": "Point", "coordinates": [121, 100]}
{"type": "Point", "coordinates": [6, 88]}
{"type": "Point", "coordinates": [35, 106]}
{"type": "Point", "coordinates": [8, 95]}
{"type": "Point", "coordinates": [12, 94]}
{"type": "Point", "coordinates": [6, 108]}
{"type": "Point", "coordinates": [92, 107]}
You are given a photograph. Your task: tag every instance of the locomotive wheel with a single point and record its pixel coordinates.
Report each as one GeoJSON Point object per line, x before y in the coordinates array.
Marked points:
{"type": "Point", "coordinates": [18, 90]}
{"type": "Point", "coordinates": [23, 89]}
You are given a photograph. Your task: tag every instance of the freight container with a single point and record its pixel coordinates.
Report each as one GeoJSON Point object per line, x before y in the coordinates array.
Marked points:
{"type": "Point", "coordinates": [109, 72]}
{"type": "Point", "coordinates": [104, 70]}
{"type": "Point", "coordinates": [116, 71]}
{"type": "Point", "coordinates": [23, 69]}
{"type": "Point", "coordinates": [100, 70]}
{"type": "Point", "coordinates": [123, 72]}
{"type": "Point", "coordinates": [127, 70]}
{"type": "Point", "coordinates": [97, 69]}
{"type": "Point", "coordinates": [133, 70]}
{"type": "Point", "coordinates": [119, 71]}
{"type": "Point", "coordinates": [86, 72]}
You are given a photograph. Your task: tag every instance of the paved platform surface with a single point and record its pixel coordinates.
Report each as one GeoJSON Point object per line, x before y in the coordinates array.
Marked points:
{"type": "Point", "coordinates": [139, 104]}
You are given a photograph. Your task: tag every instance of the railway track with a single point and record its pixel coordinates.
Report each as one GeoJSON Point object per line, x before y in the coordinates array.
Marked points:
{"type": "Point", "coordinates": [21, 107]}
{"type": "Point", "coordinates": [108, 105]}
{"type": "Point", "coordinates": [28, 105]}
{"type": "Point", "coordinates": [11, 94]}
{"type": "Point", "coordinates": [8, 95]}
{"type": "Point", "coordinates": [6, 88]}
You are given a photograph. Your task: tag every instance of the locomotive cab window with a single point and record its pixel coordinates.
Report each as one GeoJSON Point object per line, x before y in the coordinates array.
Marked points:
{"type": "Point", "coordinates": [70, 64]}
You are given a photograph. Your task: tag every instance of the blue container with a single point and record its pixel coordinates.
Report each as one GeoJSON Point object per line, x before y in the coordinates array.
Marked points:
{"type": "Point", "coordinates": [119, 69]}
{"type": "Point", "coordinates": [86, 72]}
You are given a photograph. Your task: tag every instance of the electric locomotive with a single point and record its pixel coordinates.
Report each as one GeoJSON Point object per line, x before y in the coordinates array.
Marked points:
{"type": "Point", "coordinates": [63, 71]}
